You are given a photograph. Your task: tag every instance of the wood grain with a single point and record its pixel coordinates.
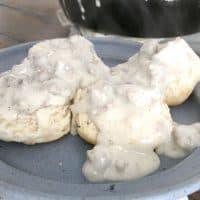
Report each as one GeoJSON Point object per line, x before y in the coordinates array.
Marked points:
{"type": "Point", "coordinates": [27, 20]}
{"type": "Point", "coordinates": [195, 196]}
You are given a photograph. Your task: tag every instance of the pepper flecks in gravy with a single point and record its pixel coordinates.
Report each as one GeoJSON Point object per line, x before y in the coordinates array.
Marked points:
{"type": "Point", "coordinates": [131, 114]}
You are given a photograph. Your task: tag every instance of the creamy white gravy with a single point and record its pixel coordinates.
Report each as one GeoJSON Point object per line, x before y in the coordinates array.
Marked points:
{"type": "Point", "coordinates": [49, 76]}
{"type": "Point", "coordinates": [134, 123]}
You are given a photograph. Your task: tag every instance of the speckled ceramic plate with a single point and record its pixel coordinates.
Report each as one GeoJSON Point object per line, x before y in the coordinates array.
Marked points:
{"type": "Point", "coordinates": [53, 171]}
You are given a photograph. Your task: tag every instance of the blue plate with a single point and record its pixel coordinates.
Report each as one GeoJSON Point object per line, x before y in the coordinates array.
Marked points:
{"type": "Point", "coordinates": [53, 171]}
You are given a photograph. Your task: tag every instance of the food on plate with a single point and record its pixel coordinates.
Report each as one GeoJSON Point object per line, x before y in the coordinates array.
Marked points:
{"type": "Point", "coordinates": [36, 94]}
{"type": "Point", "coordinates": [171, 66]}
{"type": "Point", "coordinates": [62, 86]}
{"type": "Point", "coordinates": [137, 71]}
{"type": "Point", "coordinates": [130, 122]}
{"type": "Point", "coordinates": [130, 126]}
{"type": "Point", "coordinates": [127, 117]}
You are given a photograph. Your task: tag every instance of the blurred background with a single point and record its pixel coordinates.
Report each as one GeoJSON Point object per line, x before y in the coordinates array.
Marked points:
{"type": "Point", "coordinates": [26, 20]}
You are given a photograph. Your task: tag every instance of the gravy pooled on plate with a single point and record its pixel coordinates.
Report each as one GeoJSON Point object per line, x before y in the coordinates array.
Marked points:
{"type": "Point", "coordinates": [131, 122]}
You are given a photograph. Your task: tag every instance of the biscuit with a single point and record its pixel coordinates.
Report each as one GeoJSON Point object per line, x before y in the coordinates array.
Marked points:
{"type": "Point", "coordinates": [86, 128]}
{"type": "Point", "coordinates": [35, 95]}
{"type": "Point", "coordinates": [173, 67]}
{"type": "Point", "coordinates": [176, 68]}
{"type": "Point", "coordinates": [44, 125]}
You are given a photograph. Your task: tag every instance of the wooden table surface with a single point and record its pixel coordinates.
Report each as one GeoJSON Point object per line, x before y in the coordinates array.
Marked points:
{"type": "Point", "coordinates": [27, 20]}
